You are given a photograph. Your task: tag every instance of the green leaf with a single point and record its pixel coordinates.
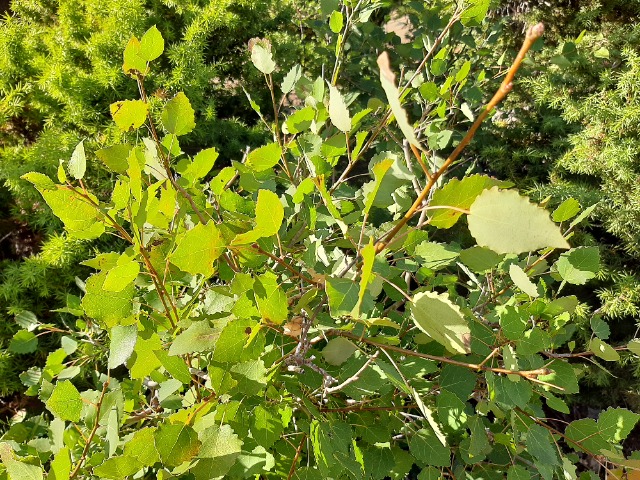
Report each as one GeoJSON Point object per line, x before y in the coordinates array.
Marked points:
{"type": "Point", "coordinates": [600, 328]}
{"type": "Point", "coordinates": [118, 468]}
{"type": "Point", "coordinates": [562, 376]}
{"type": "Point", "coordinates": [262, 58]}
{"type": "Point", "coordinates": [220, 450]}
{"type": "Point", "coordinates": [427, 449]}
{"type": "Point", "coordinates": [616, 424]}
{"type": "Point", "coordinates": [603, 350]}
{"type": "Point", "coordinates": [115, 157]}
{"type": "Point", "coordinates": [579, 264]}
{"type": "Point", "coordinates": [199, 337]}
{"type": "Point", "coordinates": [480, 259]}
{"type": "Point", "coordinates": [476, 12]}
{"type": "Point", "coordinates": [521, 280]}
{"type": "Point", "coordinates": [151, 44]}
{"type": "Point", "coordinates": [435, 255]}
{"type": "Point", "coordinates": [517, 472]}
{"type": "Point", "coordinates": [541, 445]}
{"type": "Point", "coordinates": [264, 158]}
{"type": "Point", "coordinates": [343, 296]}
{"type": "Point", "coordinates": [533, 341]}
{"type": "Point", "coordinates": [65, 402]}
{"type": "Point", "coordinates": [175, 365]}
{"type": "Point", "coordinates": [299, 121]}
{"type": "Point", "coordinates": [142, 447]}
{"type": "Point", "coordinates": [507, 393]}
{"type": "Point", "coordinates": [634, 346]}
{"type": "Point", "coordinates": [587, 436]}
{"type": "Point", "coordinates": [442, 320]}
{"type": "Point", "coordinates": [110, 308]}
{"type": "Point", "coordinates": [566, 210]}
{"type": "Point", "coordinates": [178, 116]}
{"type": "Point", "coordinates": [338, 351]}
{"type": "Point", "coordinates": [123, 341]}
{"type": "Point", "coordinates": [176, 443]}
{"type": "Point", "coordinates": [338, 111]}
{"type": "Point", "coordinates": [201, 165]}
{"type": "Point", "coordinates": [81, 219]}
{"type": "Point", "coordinates": [143, 361]}
{"type": "Point", "coordinates": [129, 114]}
{"type": "Point", "coordinates": [198, 249]}
{"type": "Point", "coordinates": [60, 465]}
{"type": "Point", "coordinates": [505, 222]}
{"type": "Point", "coordinates": [368, 254]}
{"type": "Point", "coordinates": [336, 21]}
{"type": "Point", "coordinates": [23, 341]}
{"type": "Point", "coordinates": [271, 299]}
{"type": "Point", "coordinates": [388, 79]}
{"type": "Point", "coordinates": [121, 275]}
{"type": "Point", "coordinates": [513, 322]}
{"type": "Point", "coordinates": [372, 188]}
{"type": "Point", "coordinates": [78, 163]}
{"type": "Point", "coordinates": [266, 426]}
{"type": "Point", "coordinates": [251, 377]}
{"type": "Point", "coordinates": [233, 344]}
{"type": "Point", "coordinates": [133, 63]}
{"type": "Point", "coordinates": [602, 52]}
{"type": "Point", "coordinates": [459, 194]}
{"type": "Point", "coordinates": [269, 216]}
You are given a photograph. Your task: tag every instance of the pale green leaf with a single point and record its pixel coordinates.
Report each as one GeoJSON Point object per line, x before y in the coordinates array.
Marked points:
{"type": "Point", "coordinates": [115, 157]}
{"type": "Point", "coordinates": [459, 194]}
{"type": "Point", "coordinates": [634, 346]}
{"type": "Point", "coordinates": [198, 249]}
{"type": "Point", "coordinates": [129, 114]}
{"type": "Point", "coordinates": [199, 337]}
{"type": "Point", "coordinates": [176, 443]}
{"type": "Point", "coordinates": [388, 79]}
{"type": "Point", "coordinates": [264, 158]}
{"type": "Point", "coordinates": [379, 171]}
{"type": "Point", "coordinates": [505, 222]}
{"type": "Point", "coordinates": [475, 12]}
{"type": "Point", "coordinates": [579, 265]}
{"type": "Point", "coordinates": [78, 163]}
{"type": "Point", "coordinates": [522, 281]}
{"type": "Point", "coordinates": [269, 216]}
{"type": "Point", "coordinates": [299, 121]}
{"type": "Point", "coordinates": [178, 116]}
{"type": "Point", "coordinates": [151, 44]}
{"type": "Point", "coordinates": [343, 296]}
{"type": "Point", "coordinates": [118, 468]}
{"type": "Point", "coordinates": [262, 58]}
{"type": "Point", "coordinates": [220, 449]}
{"type": "Point", "coordinates": [366, 276]}
{"type": "Point", "coordinates": [143, 361]}
{"type": "Point", "coordinates": [290, 79]}
{"type": "Point", "coordinates": [123, 341]}
{"type": "Point", "coordinates": [65, 401]}
{"type": "Point", "coordinates": [566, 210]}
{"type": "Point", "coordinates": [442, 320]}
{"type": "Point", "coordinates": [338, 111]}
{"type": "Point", "coordinates": [338, 350]}
{"type": "Point", "coordinates": [603, 350]}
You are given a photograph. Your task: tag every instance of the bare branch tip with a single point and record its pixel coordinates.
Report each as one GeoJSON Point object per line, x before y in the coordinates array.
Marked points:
{"type": "Point", "coordinates": [535, 31]}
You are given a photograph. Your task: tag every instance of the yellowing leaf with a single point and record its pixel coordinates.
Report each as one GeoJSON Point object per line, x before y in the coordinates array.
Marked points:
{"type": "Point", "coordinates": [264, 158]}
{"type": "Point", "coordinates": [505, 222]}
{"type": "Point", "coordinates": [129, 114]}
{"type": "Point", "coordinates": [151, 44]}
{"type": "Point", "coordinates": [435, 315]}
{"type": "Point", "coordinates": [198, 249]}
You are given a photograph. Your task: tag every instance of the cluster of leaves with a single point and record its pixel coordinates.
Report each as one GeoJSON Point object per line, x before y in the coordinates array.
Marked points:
{"type": "Point", "coordinates": [275, 319]}
{"type": "Point", "coordinates": [60, 69]}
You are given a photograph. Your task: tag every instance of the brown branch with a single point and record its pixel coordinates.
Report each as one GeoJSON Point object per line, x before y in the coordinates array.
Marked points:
{"type": "Point", "coordinates": [292, 470]}
{"type": "Point", "coordinates": [87, 444]}
{"type": "Point", "coordinates": [531, 375]}
{"type": "Point", "coordinates": [507, 85]}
